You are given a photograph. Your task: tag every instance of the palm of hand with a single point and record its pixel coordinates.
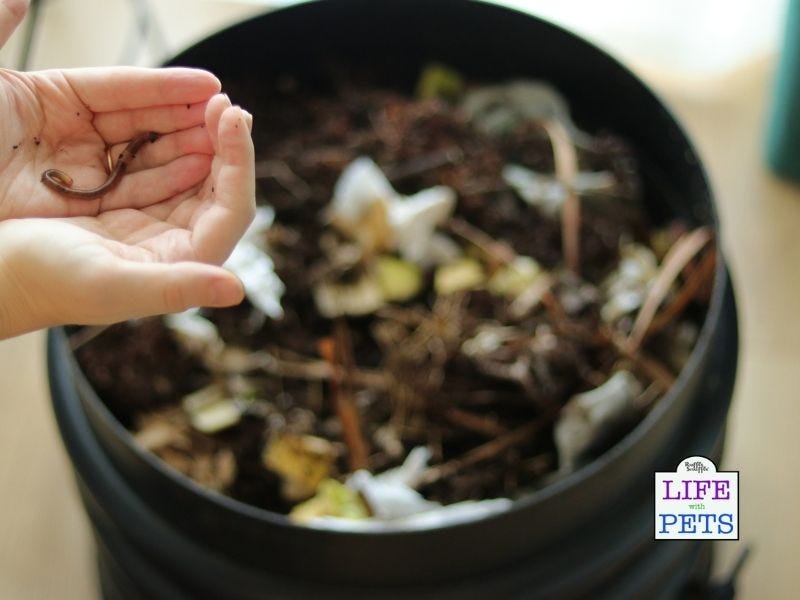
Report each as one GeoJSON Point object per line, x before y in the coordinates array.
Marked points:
{"type": "Point", "coordinates": [188, 196]}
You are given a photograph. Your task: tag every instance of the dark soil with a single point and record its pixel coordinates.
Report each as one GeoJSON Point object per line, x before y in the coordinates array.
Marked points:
{"type": "Point", "coordinates": [137, 367]}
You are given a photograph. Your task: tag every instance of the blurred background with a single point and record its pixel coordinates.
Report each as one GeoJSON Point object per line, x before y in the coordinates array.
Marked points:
{"type": "Point", "coordinates": [712, 61]}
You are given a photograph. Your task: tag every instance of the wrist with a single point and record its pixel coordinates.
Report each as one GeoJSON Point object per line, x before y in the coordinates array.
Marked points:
{"type": "Point", "coordinates": [17, 313]}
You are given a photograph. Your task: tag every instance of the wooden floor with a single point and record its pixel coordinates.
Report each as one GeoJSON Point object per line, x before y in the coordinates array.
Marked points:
{"type": "Point", "coordinates": [45, 549]}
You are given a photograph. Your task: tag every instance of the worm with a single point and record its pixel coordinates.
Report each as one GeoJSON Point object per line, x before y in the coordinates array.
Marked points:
{"type": "Point", "coordinates": [62, 183]}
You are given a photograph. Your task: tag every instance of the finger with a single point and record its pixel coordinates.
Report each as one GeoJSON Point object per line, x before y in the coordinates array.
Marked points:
{"type": "Point", "coordinates": [221, 225]}
{"type": "Point", "coordinates": [167, 148]}
{"type": "Point", "coordinates": [121, 125]}
{"type": "Point", "coordinates": [216, 106]}
{"type": "Point", "coordinates": [104, 89]}
{"type": "Point", "coordinates": [150, 186]}
{"type": "Point", "coordinates": [139, 289]}
{"type": "Point", "coordinates": [11, 14]}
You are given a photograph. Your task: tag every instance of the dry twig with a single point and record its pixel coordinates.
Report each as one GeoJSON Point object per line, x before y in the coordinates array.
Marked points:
{"type": "Point", "coordinates": [682, 252]}
{"type": "Point", "coordinates": [696, 281]}
{"type": "Point", "coordinates": [498, 252]}
{"type": "Point", "coordinates": [338, 351]}
{"type": "Point", "coordinates": [566, 163]}
{"type": "Point", "coordinates": [312, 370]}
{"type": "Point", "coordinates": [648, 365]}
{"type": "Point", "coordinates": [487, 451]}
{"type": "Point", "coordinates": [481, 424]}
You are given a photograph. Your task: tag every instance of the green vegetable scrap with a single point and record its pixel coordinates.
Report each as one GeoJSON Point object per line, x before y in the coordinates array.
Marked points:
{"type": "Point", "coordinates": [398, 279]}
{"type": "Point", "coordinates": [439, 81]}
{"type": "Point", "coordinates": [333, 499]}
{"type": "Point", "coordinates": [513, 279]}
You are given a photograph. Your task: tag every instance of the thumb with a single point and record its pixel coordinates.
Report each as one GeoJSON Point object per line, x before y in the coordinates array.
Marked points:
{"type": "Point", "coordinates": [144, 289]}
{"type": "Point", "coordinates": [11, 14]}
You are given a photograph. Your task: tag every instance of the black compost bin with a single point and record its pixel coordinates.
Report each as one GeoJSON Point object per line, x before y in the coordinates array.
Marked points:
{"type": "Point", "coordinates": [160, 535]}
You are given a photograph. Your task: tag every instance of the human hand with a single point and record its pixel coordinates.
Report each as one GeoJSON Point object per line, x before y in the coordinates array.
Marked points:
{"type": "Point", "coordinates": [67, 119]}
{"type": "Point", "coordinates": [185, 199]}
{"type": "Point", "coordinates": [131, 257]}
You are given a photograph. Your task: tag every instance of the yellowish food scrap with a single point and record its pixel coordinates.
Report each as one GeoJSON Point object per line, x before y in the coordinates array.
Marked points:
{"type": "Point", "coordinates": [361, 297]}
{"type": "Point", "coordinates": [333, 499]}
{"type": "Point", "coordinates": [513, 279]}
{"type": "Point", "coordinates": [210, 409]}
{"type": "Point", "coordinates": [302, 461]}
{"type": "Point", "coordinates": [438, 81]}
{"type": "Point", "coordinates": [459, 275]}
{"type": "Point", "coordinates": [398, 279]}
